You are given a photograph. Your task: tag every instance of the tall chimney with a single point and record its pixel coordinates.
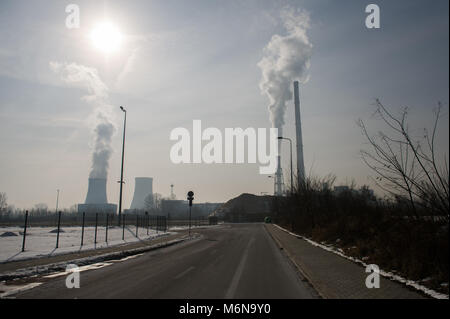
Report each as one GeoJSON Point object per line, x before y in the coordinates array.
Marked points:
{"type": "Point", "coordinates": [298, 126]}
{"type": "Point", "coordinates": [96, 191]}
{"type": "Point", "coordinates": [143, 187]}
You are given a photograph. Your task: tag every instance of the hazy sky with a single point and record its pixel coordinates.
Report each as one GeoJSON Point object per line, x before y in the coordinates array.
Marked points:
{"type": "Point", "coordinates": [186, 60]}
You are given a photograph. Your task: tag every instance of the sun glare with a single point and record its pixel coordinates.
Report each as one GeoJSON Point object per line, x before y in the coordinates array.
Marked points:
{"type": "Point", "coordinates": [106, 37]}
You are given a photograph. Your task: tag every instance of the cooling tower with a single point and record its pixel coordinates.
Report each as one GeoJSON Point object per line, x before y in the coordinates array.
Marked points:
{"type": "Point", "coordinates": [96, 201]}
{"type": "Point", "coordinates": [298, 126]}
{"type": "Point", "coordinates": [143, 187]}
{"type": "Point", "coordinates": [96, 191]}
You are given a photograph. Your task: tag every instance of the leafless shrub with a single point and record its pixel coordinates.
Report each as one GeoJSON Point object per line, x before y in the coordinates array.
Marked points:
{"type": "Point", "coordinates": [3, 203]}
{"type": "Point", "coordinates": [406, 167]}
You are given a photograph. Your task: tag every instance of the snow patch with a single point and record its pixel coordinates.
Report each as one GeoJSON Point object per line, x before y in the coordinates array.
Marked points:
{"type": "Point", "coordinates": [386, 274]}
{"type": "Point", "coordinates": [8, 234]}
{"type": "Point", "coordinates": [41, 241]}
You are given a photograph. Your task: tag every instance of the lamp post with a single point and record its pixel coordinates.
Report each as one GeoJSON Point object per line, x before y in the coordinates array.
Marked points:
{"type": "Point", "coordinates": [274, 189]}
{"type": "Point", "coordinates": [57, 200]}
{"type": "Point", "coordinates": [290, 144]}
{"type": "Point", "coordinates": [121, 170]}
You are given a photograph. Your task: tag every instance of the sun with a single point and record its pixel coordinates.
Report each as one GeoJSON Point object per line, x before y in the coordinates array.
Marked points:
{"type": "Point", "coordinates": [106, 37]}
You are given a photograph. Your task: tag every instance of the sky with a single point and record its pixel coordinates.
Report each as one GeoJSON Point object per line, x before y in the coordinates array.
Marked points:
{"type": "Point", "coordinates": [180, 61]}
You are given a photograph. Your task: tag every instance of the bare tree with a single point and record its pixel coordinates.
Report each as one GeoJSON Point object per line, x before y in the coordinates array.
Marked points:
{"type": "Point", "coordinates": [408, 167]}
{"type": "Point", "coordinates": [41, 207]}
{"type": "Point", "coordinates": [3, 204]}
{"type": "Point", "coordinates": [148, 202]}
{"type": "Point", "coordinates": [157, 201]}
{"type": "Point", "coordinates": [153, 202]}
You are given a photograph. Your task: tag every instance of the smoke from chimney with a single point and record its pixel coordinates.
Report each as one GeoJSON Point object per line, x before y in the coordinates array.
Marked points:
{"type": "Point", "coordinates": [286, 58]}
{"type": "Point", "coordinates": [103, 124]}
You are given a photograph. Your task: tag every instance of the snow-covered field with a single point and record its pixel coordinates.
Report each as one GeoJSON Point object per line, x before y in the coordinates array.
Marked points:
{"type": "Point", "coordinates": [41, 242]}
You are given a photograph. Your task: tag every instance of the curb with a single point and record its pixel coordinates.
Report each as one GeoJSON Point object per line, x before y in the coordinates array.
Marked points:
{"type": "Point", "coordinates": [412, 286]}
{"type": "Point", "coordinates": [50, 268]}
{"type": "Point", "coordinates": [300, 270]}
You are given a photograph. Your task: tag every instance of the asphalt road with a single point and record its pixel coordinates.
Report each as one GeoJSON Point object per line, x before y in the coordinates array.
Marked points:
{"type": "Point", "coordinates": [229, 261]}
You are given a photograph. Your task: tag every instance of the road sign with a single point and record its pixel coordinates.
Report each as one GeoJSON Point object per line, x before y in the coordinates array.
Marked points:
{"type": "Point", "coordinates": [190, 197]}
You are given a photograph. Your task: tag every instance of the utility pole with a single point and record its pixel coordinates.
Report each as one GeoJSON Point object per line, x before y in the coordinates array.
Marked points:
{"type": "Point", "coordinates": [292, 177]}
{"type": "Point", "coordinates": [172, 195]}
{"type": "Point", "coordinates": [274, 184]}
{"type": "Point", "coordinates": [121, 170]}
{"type": "Point", "coordinates": [190, 198]}
{"type": "Point", "coordinates": [57, 200]}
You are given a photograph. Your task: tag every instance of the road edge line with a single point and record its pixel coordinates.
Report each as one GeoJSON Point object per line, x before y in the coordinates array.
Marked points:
{"type": "Point", "coordinates": [299, 269]}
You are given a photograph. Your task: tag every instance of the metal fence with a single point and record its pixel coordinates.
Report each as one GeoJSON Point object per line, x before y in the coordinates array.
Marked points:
{"type": "Point", "coordinates": [96, 227]}
{"type": "Point", "coordinates": [138, 225]}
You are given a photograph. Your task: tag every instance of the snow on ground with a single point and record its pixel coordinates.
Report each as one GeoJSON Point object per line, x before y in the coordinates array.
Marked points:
{"type": "Point", "coordinates": [40, 242]}
{"type": "Point", "coordinates": [386, 274]}
{"type": "Point", "coordinates": [178, 228]}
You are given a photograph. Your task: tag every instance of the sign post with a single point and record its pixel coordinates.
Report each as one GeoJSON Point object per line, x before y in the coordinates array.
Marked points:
{"type": "Point", "coordinates": [190, 198]}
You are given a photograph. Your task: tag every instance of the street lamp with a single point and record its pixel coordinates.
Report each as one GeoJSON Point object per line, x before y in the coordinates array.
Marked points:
{"type": "Point", "coordinates": [123, 156]}
{"type": "Point", "coordinates": [57, 200]}
{"type": "Point", "coordinates": [274, 186]}
{"type": "Point", "coordinates": [290, 144]}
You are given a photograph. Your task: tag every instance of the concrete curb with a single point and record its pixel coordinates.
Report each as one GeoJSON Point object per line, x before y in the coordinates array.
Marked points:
{"type": "Point", "coordinates": [308, 278]}
{"type": "Point", "coordinates": [61, 266]}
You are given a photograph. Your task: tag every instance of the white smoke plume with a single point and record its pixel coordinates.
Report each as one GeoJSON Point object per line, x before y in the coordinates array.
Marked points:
{"type": "Point", "coordinates": [104, 128]}
{"type": "Point", "coordinates": [286, 59]}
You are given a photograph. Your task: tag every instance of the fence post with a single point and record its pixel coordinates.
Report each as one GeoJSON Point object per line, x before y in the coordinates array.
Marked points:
{"type": "Point", "coordinates": [157, 224]}
{"type": "Point", "coordinates": [123, 226]}
{"type": "Point", "coordinates": [137, 218]}
{"type": "Point", "coordinates": [82, 230]}
{"type": "Point", "coordinates": [59, 225]}
{"type": "Point", "coordinates": [25, 231]}
{"type": "Point", "coordinates": [190, 221]}
{"type": "Point", "coordinates": [107, 220]}
{"type": "Point", "coordinates": [96, 222]}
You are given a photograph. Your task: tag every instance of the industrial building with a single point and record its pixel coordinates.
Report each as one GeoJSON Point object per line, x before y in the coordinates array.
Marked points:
{"type": "Point", "coordinates": [179, 209]}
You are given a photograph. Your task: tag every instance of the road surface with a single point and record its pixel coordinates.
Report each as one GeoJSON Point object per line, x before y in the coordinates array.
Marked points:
{"type": "Point", "coordinates": [228, 261]}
